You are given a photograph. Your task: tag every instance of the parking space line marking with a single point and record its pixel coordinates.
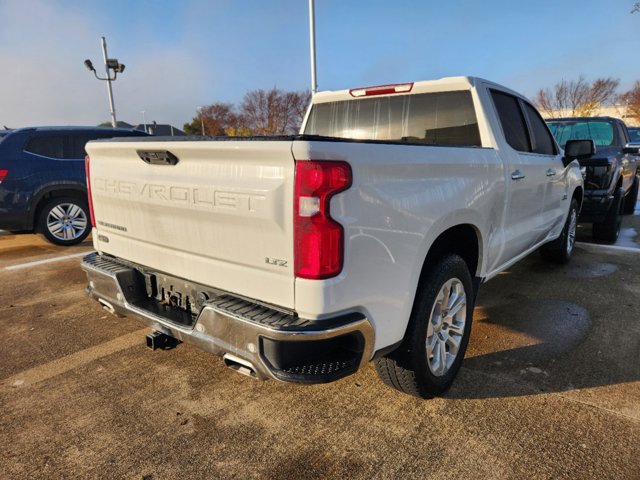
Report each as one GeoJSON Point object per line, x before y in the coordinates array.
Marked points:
{"type": "Point", "coordinates": [46, 260]}
{"type": "Point", "coordinates": [608, 247]}
{"type": "Point", "coordinates": [75, 360]}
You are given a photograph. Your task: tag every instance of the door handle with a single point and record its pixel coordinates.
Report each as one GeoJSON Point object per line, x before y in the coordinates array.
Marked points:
{"type": "Point", "coordinates": [517, 175]}
{"type": "Point", "coordinates": [551, 172]}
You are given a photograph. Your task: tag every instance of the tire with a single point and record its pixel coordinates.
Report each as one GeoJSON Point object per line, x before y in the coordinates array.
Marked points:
{"type": "Point", "coordinates": [412, 368]}
{"type": "Point", "coordinates": [64, 220]}
{"type": "Point", "coordinates": [560, 249]}
{"type": "Point", "coordinates": [632, 197]}
{"type": "Point", "coordinates": [609, 229]}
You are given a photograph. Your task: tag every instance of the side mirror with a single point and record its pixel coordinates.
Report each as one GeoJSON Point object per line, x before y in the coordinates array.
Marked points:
{"type": "Point", "coordinates": [577, 149]}
{"type": "Point", "coordinates": [631, 148]}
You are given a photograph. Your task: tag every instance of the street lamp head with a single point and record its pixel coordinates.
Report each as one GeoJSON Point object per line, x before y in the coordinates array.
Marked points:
{"type": "Point", "coordinates": [120, 68]}
{"type": "Point", "coordinates": [89, 65]}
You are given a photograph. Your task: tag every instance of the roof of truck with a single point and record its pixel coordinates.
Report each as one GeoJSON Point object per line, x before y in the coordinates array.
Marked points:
{"type": "Point", "coordinates": [70, 128]}
{"type": "Point", "coordinates": [424, 86]}
{"type": "Point", "coordinates": [602, 118]}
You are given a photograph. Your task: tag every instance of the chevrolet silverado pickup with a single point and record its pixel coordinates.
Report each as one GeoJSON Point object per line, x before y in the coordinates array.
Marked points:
{"type": "Point", "coordinates": [365, 237]}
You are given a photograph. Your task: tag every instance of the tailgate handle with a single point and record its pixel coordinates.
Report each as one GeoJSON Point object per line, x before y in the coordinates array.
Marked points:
{"type": "Point", "coordinates": [157, 157]}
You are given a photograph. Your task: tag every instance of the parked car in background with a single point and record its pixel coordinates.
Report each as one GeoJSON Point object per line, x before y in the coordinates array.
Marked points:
{"type": "Point", "coordinates": [42, 180]}
{"type": "Point", "coordinates": [609, 170]}
{"type": "Point", "coordinates": [634, 135]}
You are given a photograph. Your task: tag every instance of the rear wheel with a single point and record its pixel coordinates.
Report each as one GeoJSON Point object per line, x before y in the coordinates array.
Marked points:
{"type": "Point", "coordinates": [632, 197]}
{"type": "Point", "coordinates": [437, 335]}
{"type": "Point", "coordinates": [609, 229]}
{"type": "Point", "coordinates": [64, 220]}
{"type": "Point", "coordinates": [560, 250]}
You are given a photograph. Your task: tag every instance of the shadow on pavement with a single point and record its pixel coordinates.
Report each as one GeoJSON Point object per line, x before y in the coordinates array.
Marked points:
{"type": "Point", "coordinates": [544, 328]}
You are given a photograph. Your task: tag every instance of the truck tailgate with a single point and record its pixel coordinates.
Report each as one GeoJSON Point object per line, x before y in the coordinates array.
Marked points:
{"type": "Point", "coordinates": [222, 216]}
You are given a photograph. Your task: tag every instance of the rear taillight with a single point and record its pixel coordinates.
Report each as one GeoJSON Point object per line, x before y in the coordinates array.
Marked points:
{"type": "Point", "coordinates": [3, 174]}
{"type": "Point", "coordinates": [86, 169]}
{"type": "Point", "coordinates": [318, 239]}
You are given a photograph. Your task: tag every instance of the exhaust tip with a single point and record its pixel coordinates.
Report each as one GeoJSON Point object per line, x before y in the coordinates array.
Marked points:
{"type": "Point", "coordinates": [240, 365]}
{"type": "Point", "coordinates": [107, 306]}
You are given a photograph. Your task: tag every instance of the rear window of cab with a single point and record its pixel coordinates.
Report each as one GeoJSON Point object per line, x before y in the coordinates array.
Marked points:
{"type": "Point", "coordinates": [442, 118]}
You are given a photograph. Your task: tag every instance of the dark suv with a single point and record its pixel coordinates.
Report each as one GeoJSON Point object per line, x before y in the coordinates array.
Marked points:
{"type": "Point", "coordinates": [42, 180]}
{"type": "Point", "coordinates": [609, 172]}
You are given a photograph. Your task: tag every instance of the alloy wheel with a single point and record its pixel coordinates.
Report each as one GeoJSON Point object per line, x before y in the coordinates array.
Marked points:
{"type": "Point", "coordinates": [571, 232]}
{"type": "Point", "coordinates": [446, 327]}
{"type": "Point", "coordinates": [67, 221]}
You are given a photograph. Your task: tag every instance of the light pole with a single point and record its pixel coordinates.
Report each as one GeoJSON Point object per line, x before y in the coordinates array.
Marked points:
{"type": "Point", "coordinates": [312, 44]}
{"type": "Point", "coordinates": [201, 119]}
{"type": "Point", "coordinates": [144, 121]}
{"type": "Point", "coordinates": [109, 64]}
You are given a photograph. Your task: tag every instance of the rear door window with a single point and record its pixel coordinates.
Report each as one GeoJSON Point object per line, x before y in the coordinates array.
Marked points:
{"type": "Point", "coordinates": [52, 146]}
{"type": "Point", "coordinates": [634, 135]}
{"type": "Point", "coordinates": [80, 141]}
{"type": "Point", "coordinates": [512, 121]}
{"type": "Point", "coordinates": [542, 140]}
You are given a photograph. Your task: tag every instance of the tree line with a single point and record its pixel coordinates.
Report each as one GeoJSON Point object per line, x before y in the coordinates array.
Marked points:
{"type": "Point", "coordinates": [278, 112]}
{"type": "Point", "coordinates": [261, 112]}
{"type": "Point", "coordinates": [581, 98]}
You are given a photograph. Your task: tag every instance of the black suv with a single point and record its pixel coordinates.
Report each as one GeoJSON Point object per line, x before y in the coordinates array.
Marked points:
{"type": "Point", "coordinates": [609, 171]}
{"type": "Point", "coordinates": [42, 180]}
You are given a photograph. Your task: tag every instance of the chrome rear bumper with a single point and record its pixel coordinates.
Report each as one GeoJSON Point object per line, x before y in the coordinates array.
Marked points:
{"type": "Point", "coordinates": [268, 343]}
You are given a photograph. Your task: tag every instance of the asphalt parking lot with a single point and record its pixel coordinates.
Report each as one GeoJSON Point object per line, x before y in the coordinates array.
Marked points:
{"type": "Point", "coordinates": [550, 388]}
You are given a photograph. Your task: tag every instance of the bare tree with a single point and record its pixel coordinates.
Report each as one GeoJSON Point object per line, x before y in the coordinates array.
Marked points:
{"type": "Point", "coordinates": [218, 117]}
{"type": "Point", "coordinates": [274, 112]}
{"type": "Point", "coordinates": [215, 119]}
{"type": "Point", "coordinates": [632, 100]}
{"type": "Point", "coordinates": [636, 7]}
{"type": "Point", "coordinates": [577, 97]}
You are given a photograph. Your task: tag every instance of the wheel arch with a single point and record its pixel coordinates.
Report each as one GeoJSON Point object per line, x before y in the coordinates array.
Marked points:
{"type": "Point", "coordinates": [463, 239]}
{"type": "Point", "coordinates": [53, 191]}
{"type": "Point", "coordinates": [578, 194]}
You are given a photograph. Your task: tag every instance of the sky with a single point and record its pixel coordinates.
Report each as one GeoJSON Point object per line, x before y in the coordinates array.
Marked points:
{"type": "Point", "coordinates": [180, 55]}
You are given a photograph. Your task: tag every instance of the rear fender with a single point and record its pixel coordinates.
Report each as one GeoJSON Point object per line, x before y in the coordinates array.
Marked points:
{"type": "Point", "coordinates": [50, 190]}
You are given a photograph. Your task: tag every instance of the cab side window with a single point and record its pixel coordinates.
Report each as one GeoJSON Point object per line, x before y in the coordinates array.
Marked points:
{"type": "Point", "coordinates": [624, 134]}
{"type": "Point", "coordinates": [80, 141]}
{"type": "Point", "coordinates": [542, 140]}
{"type": "Point", "coordinates": [512, 121]}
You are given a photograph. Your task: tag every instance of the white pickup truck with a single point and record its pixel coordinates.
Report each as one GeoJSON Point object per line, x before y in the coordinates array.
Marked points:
{"type": "Point", "coordinates": [302, 258]}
